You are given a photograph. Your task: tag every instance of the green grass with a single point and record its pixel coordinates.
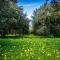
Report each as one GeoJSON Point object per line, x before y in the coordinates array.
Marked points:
{"type": "Point", "coordinates": [30, 48]}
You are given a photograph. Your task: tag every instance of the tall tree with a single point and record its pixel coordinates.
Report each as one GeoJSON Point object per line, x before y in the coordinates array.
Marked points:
{"type": "Point", "coordinates": [10, 16]}
{"type": "Point", "coordinates": [47, 19]}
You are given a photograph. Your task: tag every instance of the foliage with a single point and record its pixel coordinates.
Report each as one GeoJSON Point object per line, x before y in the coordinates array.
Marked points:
{"type": "Point", "coordinates": [48, 15]}
{"type": "Point", "coordinates": [12, 18]}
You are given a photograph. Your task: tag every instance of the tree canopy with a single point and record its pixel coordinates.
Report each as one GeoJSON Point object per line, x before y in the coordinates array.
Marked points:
{"type": "Point", "coordinates": [47, 19]}
{"type": "Point", "coordinates": [12, 18]}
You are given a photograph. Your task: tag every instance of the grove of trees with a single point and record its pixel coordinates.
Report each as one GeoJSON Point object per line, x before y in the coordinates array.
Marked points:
{"type": "Point", "coordinates": [12, 18]}
{"type": "Point", "coordinates": [47, 19]}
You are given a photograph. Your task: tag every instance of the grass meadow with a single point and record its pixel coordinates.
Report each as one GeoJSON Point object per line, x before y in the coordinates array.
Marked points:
{"type": "Point", "coordinates": [29, 48]}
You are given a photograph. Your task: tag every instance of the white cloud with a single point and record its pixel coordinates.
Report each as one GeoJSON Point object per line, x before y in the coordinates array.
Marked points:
{"type": "Point", "coordinates": [29, 15]}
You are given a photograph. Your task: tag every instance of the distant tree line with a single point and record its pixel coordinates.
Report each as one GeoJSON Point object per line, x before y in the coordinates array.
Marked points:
{"type": "Point", "coordinates": [47, 19]}
{"type": "Point", "coordinates": [12, 18]}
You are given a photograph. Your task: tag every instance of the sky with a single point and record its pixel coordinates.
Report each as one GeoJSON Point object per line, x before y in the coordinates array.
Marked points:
{"type": "Point", "coordinates": [29, 6]}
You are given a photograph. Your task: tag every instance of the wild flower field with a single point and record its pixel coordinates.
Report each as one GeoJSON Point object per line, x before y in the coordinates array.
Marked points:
{"type": "Point", "coordinates": [30, 48]}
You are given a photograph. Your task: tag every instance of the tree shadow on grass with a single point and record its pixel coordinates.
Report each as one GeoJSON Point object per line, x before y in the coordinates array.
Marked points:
{"type": "Point", "coordinates": [13, 37]}
{"type": "Point", "coordinates": [17, 37]}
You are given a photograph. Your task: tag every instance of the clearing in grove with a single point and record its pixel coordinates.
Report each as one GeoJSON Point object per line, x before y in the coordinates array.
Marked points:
{"type": "Point", "coordinates": [29, 48]}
